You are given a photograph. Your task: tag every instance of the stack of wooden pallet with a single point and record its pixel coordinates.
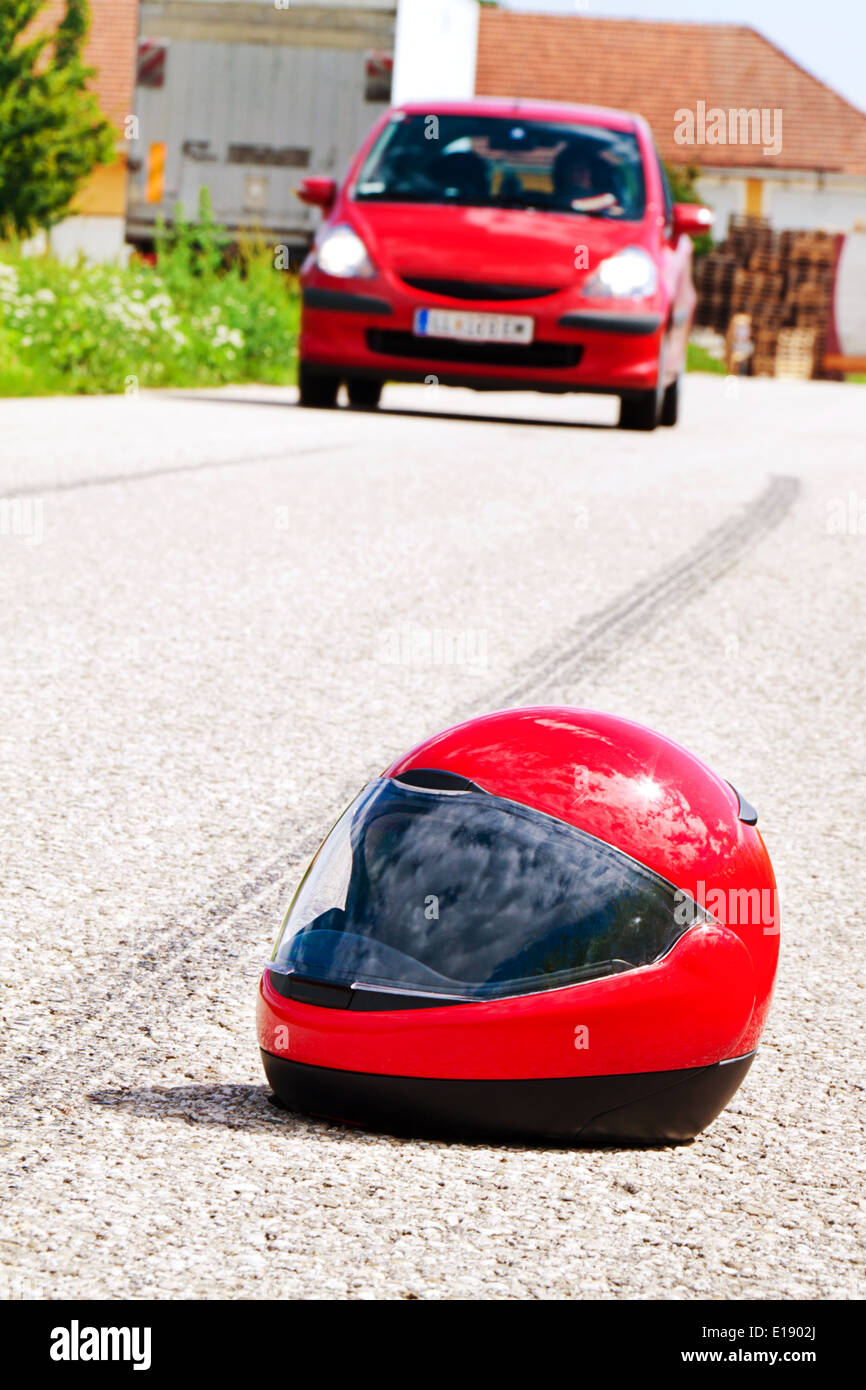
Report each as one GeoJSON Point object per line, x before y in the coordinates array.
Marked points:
{"type": "Point", "coordinates": [759, 294]}
{"type": "Point", "coordinates": [714, 280]}
{"type": "Point", "coordinates": [782, 281]}
{"type": "Point", "coordinates": [749, 236]}
{"type": "Point", "coordinates": [810, 259]}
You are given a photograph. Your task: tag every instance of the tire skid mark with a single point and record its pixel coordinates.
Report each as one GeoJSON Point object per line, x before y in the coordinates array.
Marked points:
{"type": "Point", "coordinates": [147, 475]}
{"type": "Point", "coordinates": [596, 641]}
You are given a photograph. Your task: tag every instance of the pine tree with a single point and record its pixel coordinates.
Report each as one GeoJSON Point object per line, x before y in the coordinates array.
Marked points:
{"type": "Point", "coordinates": [52, 133]}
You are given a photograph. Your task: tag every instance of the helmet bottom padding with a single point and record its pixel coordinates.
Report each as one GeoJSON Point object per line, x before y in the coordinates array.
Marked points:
{"type": "Point", "coordinates": [662, 1107]}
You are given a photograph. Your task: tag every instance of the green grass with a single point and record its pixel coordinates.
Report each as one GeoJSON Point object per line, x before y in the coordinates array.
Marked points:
{"type": "Point", "coordinates": [699, 360]}
{"type": "Point", "coordinates": [189, 321]}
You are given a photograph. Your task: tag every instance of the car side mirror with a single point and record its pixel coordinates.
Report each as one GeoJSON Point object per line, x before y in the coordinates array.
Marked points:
{"type": "Point", "coordinates": [318, 192]}
{"type": "Point", "coordinates": [691, 219]}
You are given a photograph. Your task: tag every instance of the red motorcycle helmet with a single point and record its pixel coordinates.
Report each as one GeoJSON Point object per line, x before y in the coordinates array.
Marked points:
{"type": "Point", "coordinates": [543, 924]}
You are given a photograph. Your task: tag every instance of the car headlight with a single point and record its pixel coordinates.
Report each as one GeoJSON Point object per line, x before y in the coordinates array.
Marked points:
{"type": "Point", "coordinates": [342, 253]}
{"type": "Point", "coordinates": [627, 275]}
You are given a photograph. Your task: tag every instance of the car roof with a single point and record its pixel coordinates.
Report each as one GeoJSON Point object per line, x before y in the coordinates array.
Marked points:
{"type": "Point", "coordinates": [529, 108]}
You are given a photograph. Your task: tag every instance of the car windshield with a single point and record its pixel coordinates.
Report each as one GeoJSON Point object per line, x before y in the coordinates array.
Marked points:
{"type": "Point", "coordinates": [470, 896]}
{"type": "Point", "coordinates": [490, 161]}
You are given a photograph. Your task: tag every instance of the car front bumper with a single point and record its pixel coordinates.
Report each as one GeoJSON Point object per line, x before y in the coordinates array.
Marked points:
{"type": "Point", "coordinates": [366, 328]}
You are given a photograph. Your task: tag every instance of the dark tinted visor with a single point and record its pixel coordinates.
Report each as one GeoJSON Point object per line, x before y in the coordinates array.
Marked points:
{"type": "Point", "coordinates": [463, 894]}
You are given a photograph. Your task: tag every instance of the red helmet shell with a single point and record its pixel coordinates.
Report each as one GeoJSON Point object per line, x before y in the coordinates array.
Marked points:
{"type": "Point", "coordinates": [702, 1004]}
{"type": "Point", "coordinates": [636, 790]}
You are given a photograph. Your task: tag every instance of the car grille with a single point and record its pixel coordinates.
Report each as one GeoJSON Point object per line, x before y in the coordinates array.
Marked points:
{"type": "Point", "coordinates": [479, 289]}
{"type": "Point", "coordinates": [396, 344]}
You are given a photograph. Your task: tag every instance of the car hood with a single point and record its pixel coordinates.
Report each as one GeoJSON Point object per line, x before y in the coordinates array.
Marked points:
{"type": "Point", "coordinates": [489, 244]}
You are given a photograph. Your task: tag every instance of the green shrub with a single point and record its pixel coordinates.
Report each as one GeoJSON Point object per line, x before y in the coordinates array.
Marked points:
{"type": "Point", "coordinates": [683, 180]}
{"type": "Point", "coordinates": [189, 321]}
{"type": "Point", "coordinates": [699, 360]}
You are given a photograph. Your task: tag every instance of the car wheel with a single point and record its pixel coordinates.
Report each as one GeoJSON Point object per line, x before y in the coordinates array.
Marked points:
{"type": "Point", "coordinates": [639, 412]}
{"type": "Point", "coordinates": [671, 403]}
{"type": "Point", "coordinates": [318, 390]}
{"type": "Point", "coordinates": [643, 410]}
{"type": "Point", "coordinates": [364, 392]}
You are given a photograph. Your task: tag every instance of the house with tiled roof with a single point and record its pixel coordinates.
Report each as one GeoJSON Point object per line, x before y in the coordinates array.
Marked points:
{"type": "Point", "coordinates": [97, 224]}
{"type": "Point", "coordinates": [768, 137]}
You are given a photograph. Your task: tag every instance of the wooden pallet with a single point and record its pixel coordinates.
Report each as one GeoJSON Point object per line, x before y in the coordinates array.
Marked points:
{"type": "Point", "coordinates": [764, 358]}
{"type": "Point", "coordinates": [766, 262]}
{"type": "Point", "coordinates": [795, 354]}
{"type": "Point", "coordinates": [818, 248]}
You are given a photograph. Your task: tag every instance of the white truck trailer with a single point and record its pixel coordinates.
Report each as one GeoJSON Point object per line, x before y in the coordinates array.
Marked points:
{"type": "Point", "coordinates": [245, 98]}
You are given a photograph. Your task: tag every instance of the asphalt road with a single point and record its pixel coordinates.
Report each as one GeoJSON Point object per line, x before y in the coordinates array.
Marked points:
{"type": "Point", "coordinates": [219, 616]}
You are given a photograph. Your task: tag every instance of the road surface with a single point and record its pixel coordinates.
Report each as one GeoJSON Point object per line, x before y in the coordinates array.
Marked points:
{"type": "Point", "coordinates": [220, 616]}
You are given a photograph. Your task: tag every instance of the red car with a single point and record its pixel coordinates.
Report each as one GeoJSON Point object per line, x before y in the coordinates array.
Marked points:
{"type": "Point", "coordinates": [501, 245]}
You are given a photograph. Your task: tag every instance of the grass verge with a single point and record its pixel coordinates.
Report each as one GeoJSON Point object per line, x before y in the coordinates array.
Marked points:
{"type": "Point", "coordinates": [190, 320]}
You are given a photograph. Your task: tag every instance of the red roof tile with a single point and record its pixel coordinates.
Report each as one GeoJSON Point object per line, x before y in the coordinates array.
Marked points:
{"type": "Point", "coordinates": [658, 69]}
{"type": "Point", "coordinates": [111, 49]}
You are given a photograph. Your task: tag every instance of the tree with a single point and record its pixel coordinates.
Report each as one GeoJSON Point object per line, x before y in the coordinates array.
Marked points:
{"type": "Point", "coordinates": [52, 133]}
{"type": "Point", "coordinates": [683, 179]}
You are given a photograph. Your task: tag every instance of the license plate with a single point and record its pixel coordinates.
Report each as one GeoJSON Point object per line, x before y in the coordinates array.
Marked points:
{"type": "Point", "coordinates": [474, 328]}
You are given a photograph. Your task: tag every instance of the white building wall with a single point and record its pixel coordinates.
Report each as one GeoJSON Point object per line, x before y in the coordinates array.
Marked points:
{"type": "Point", "coordinates": [725, 196]}
{"type": "Point", "coordinates": [833, 203]}
{"type": "Point", "coordinates": [836, 206]}
{"type": "Point", "coordinates": [95, 238]}
{"type": "Point", "coordinates": [435, 50]}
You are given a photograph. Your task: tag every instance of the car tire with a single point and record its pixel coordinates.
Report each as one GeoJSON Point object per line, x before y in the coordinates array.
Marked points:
{"type": "Point", "coordinates": [671, 403]}
{"type": "Point", "coordinates": [639, 412]}
{"type": "Point", "coordinates": [643, 411]}
{"type": "Point", "coordinates": [364, 392]}
{"type": "Point", "coordinates": [318, 390]}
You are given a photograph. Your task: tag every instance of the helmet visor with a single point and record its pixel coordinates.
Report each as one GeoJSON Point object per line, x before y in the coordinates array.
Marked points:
{"type": "Point", "coordinates": [465, 895]}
